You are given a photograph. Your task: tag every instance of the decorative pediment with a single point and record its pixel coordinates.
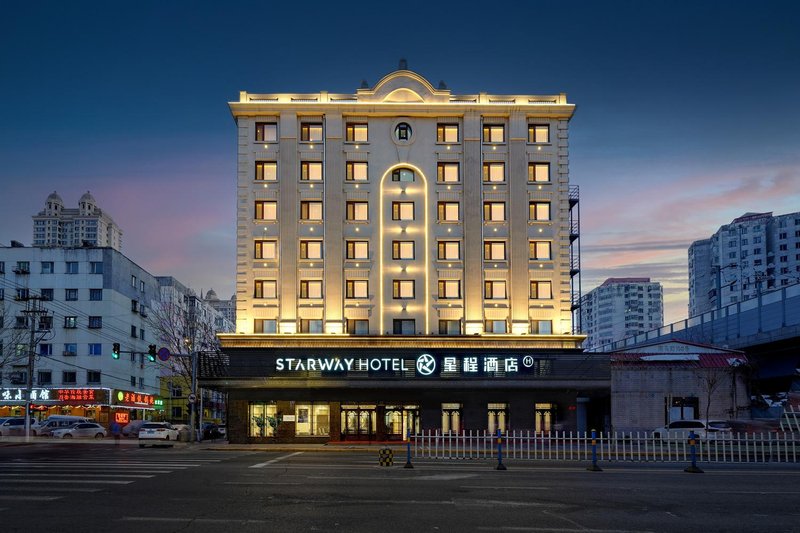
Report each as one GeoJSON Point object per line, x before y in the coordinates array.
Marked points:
{"type": "Point", "coordinates": [404, 86]}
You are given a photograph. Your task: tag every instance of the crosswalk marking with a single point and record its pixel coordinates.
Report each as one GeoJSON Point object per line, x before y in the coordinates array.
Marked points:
{"type": "Point", "coordinates": [83, 481]}
{"type": "Point", "coordinates": [81, 475]}
{"type": "Point", "coordinates": [273, 461]}
{"type": "Point", "coordinates": [29, 498]}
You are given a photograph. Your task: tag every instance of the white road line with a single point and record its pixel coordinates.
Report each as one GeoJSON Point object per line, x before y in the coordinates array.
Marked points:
{"type": "Point", "coordinates": [30, 498]}
{"type": "Point", "coordinates": [95, 465]}
{"type": "Point", "coordinates": [17, 488]}
{"type": "Point", "coordinates": [85, 481]}
{"type": "Point", "coordinates": [192, 520]}
{"type": "Point", "coordinates": [756, 492]}
{"type": "Point", "coordinates": [559, 530]}
{"type": "Point", "coordinates": [258, 483]}
{"type": "Point", "coordinates": [57, 469]}
{"type": "Point", "coordinates": [262, 465]}
{"type": "Point", "coordinates": [490, 487]}
{"type": "Point", "coordinates": [81, 475]}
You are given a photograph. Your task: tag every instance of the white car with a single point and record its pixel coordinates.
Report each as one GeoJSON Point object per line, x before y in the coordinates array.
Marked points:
{"type": "Point", "coordinates": [153, 432]}
{"type": "Point", "coordinates": [703, 430]}
{"type": "Point", "coordinates": [16, 426]}
{"type": "Point", "coordinates": [81, 430]}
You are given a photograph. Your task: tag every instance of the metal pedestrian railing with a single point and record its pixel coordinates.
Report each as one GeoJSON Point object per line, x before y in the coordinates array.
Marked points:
{"type": "Point", "coordinates": [610, 447]}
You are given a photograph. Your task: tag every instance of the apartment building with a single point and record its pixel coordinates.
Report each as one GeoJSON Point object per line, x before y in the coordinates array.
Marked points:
{"type": "Point", "coordinates": [619, 308]}
{"type": "Point", "coordinates": [754, 254]}
{"type": "Point", "coordinates": [394, 243]}
{"type": "Point", "coordinates": [86, 225]}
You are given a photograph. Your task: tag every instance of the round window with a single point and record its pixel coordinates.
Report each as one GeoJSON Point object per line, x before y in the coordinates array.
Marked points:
{"type": "Point", "coordinates": [402, 131]}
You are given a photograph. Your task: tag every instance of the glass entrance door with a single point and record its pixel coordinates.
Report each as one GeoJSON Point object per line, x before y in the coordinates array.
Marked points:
{"type": "Point", "coordinates": [400, 419]}
{"type": "Point", "coordinates": [545, 415]}
{"type": "Point", "coordinates": [358, 422]}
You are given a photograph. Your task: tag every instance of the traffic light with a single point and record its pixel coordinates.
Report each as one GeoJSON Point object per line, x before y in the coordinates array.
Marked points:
{"type": "Point", "coordinates": [151, 353]}
{"type": "Point", "coordinates": [115, 350]}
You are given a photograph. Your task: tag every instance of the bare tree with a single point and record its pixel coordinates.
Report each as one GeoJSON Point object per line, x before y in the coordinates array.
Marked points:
{"type": "Point", "coordinates": [14, 335]}
{"type": "Point", "coordinates": [710, 381]}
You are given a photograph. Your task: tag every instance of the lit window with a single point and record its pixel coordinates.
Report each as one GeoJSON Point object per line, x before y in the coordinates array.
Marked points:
{"type": "Point", "coordinates": [266, 249]}
{"type": "Point", "coordinates": [539, 211]}
{"type": "Point", "coordinates": [357, 327]}
{"type": "Point", "coordinates": [539, 172]}
{"type": "Point", "coordinates": [402, 249]}
{"type": "Point", "coordinates": [449, 250]}
{"type": "Point", "coordinates": [538, 133]}
{"type": "Point", "coordinates": [310, 288]}
{"type": "Point", "coordinates": [540, 250]}
{"type": "Point", "coordinates": [311, 132]}
{"type": "Point", "coordinates": [494, 250]}
{"type": "Point", "coordinates": [449, 289]}
{"type": "Point", "coordinates": [449, 327]}
{"type": "Point", "coordinates": [447, 133]}
{"type": "Point", "coordinates": [70, 322]}
{"type": "Point", "coordinates": [357, 249]}
{"type": "Point", "coordinates": [312, 419]}
{"type": "Point", "coordinates": [310, 171]}
{"type": "Point", "coordinates": [261, 325]}
{"type": "Point", "coordinates": [541, 290]}
{"type": "Point", "coordinates": [266, 210]}
{"type": "Point", "coordinates": [447, 173]}
{"type": "Point", "coordinates": [310, 326]}
{"type": "Point", "coordinates": [266, 132]}
{"type": "Point", "coordinates": [265, 288]}
{"type": "Point", "coordinates": [402, 174]}
{"type": "Point", "coordinates": [494, 290]}
{"type": "Point", "coordinates": [404, 326]}
{"type": "Point", "coordinates": [402, 132]}
{"type": "Point", "coordinates": [356, 132]}
{"type": "Point", "coordinates": [266, 171]}
{"type": "Point", "coordinates": [494, 133]}
{"type": "Point", "coordinates": [310, 210]}
{"type": "Point", "coordinates": [357, 288]}
{"type": "Point", "coordinates": [495, 326]}
{"type": "Point", "coordinates": [357, 211]}
{"type": "Point", "coordinates": [494, 172]}
{"type": "Point", "coordinates": [402, 289]}
{"type": "Point", "coordinates": [310, 249]}
{"type": "Point", "coordinates": [494, 211]}
{"type": "Point", "coordinates": [542, 327]}
{"type": "Point", "coordinates": [356, 171]}
{"type": "Point", "coordinates": [402, 210]}
{"type": "Point", "coordinates": [448, 211]}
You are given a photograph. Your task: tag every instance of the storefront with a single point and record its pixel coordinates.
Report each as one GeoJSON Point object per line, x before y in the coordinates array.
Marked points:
{"type": "Point", "coordinates": [324, 388]}
{"type": "Point", "coordinates": [100, 404]}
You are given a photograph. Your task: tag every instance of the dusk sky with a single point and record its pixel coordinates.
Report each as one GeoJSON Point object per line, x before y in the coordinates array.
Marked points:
{"type": "Point", "coordinates": [688, 113]}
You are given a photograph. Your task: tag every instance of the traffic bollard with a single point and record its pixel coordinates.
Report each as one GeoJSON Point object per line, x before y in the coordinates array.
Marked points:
{"type": "Point", "coordinates": [693, 469]}
{"type": "Point", "coordinates": [408, 451]}
{"type": "Point", "coordinates": [500, 465]}
{"type": "Point", "coordinates": [594, 467]}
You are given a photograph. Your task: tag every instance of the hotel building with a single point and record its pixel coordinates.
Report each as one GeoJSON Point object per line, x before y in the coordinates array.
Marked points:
{"type": "Point", "coordinates": [407, 258]}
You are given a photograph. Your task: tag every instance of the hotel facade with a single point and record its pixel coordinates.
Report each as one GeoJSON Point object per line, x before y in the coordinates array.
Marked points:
{"type": "Point", "coordinates": [406, 259]}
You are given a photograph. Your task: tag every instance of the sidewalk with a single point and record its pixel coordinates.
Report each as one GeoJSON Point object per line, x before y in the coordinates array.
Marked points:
{"type": "Point", "coordinates": [344, 447]}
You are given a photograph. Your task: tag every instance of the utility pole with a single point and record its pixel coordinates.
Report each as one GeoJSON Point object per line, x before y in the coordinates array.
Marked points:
{"type": "Point", "coordinates": [33, 311]}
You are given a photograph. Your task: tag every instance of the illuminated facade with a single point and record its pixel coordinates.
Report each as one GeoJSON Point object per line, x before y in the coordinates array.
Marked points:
{"type": "Point", "coordinates": [402, 217]}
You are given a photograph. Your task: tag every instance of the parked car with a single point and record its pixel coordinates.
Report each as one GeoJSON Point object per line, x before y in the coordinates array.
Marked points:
{"type": "Point", "coordinates": [16, 426]}
{"type": "Point", "coordinates": [132, 428]}
{"type": "Point", "coordinates": [81, 430]}
{"type": "Point", "coordinates": [50, 424]}
{"type": "Point", "coordinates": [703, 430]}
{"type": "Point", "coordinates": [153, 432]}
{"type": "Point", "coordinates": [753, 426]}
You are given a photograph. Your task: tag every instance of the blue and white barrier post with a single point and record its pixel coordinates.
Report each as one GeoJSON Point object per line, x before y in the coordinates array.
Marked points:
{"type": "Point", "coordinates": [594, 467]}
{"type": "Point", "coordinates": [408, 451]}
{"type": "Point", "coordinates": [693, 469]}
{"type": "Point", "coordinates": [500, 465]}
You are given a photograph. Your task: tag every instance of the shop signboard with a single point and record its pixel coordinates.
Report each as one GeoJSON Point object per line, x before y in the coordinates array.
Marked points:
{"type": "Point", "coordinates": [133, 399]}
{"type": "Point", "coordinates": [74, 396]}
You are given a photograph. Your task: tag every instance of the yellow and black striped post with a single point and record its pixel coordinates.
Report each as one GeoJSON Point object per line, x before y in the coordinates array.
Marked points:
{"type": "Point", "coordinates": [386, 457]}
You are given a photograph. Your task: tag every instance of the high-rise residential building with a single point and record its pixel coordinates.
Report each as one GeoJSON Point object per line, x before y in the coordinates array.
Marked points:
{"type": "Point", "coordinates": [86, 225]}
{"type": "Point", "coordinates": [394, 244]}
{"type": "Point", "coordinates": [226, 320]}
{"type": "Point", "coordinates": [755, 253]}
{"type": "Point", "coordinates": [619, 308]}
{"type": "Point", "coordinates": [76, 304]}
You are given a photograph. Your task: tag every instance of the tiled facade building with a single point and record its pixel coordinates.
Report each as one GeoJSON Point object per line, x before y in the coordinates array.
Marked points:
{"type": "Point", "coordinates": [86, 225]}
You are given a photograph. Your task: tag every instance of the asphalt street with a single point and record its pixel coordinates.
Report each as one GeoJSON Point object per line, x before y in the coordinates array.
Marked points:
{"type": "Point", "coordinates": [100, 487]}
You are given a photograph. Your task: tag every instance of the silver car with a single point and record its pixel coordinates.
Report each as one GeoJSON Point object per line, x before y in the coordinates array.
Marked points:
{"type": "Point", "coordinates": [81, 430]}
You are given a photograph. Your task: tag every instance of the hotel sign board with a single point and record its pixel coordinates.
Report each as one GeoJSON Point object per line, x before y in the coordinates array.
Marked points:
{"type": "Point", "coordinates": [422, 365]}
